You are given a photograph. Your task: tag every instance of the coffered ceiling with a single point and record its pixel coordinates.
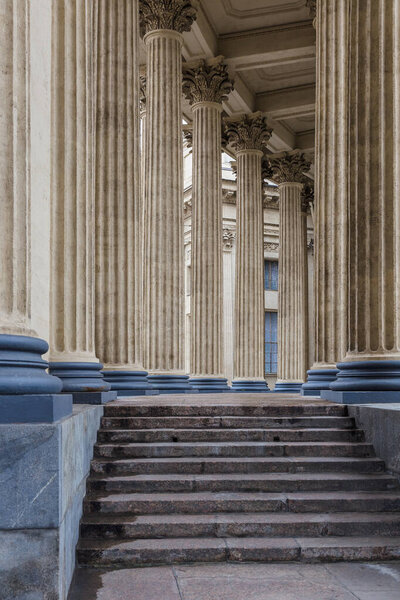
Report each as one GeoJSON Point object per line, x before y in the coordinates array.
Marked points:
{"type": "Point", "coordinates": [269, 46]}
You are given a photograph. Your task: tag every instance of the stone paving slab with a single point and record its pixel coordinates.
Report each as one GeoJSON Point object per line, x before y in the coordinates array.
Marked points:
{"type": "Point", "coordinates": [276, 581]}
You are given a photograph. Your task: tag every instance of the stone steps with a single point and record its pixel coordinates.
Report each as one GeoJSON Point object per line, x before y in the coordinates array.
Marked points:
{"type": "Point", "coordinates": [253, 410]}
{"type": "Point", "coordinates": [249, 449]}
{"type": "Point", "coordinates": [193, 465]}
{"type": "Point", "coordinates": [240, 525]}
{"type": "Point", "coordinates": [139, 552]}
{"type": "Point", "coordinates": [243, 482]}
{"type": "Point", "coordinates": [119, 436]}
{"type": "Point", "coordinates": [226, 422]}
{"type": "Point", "coordinates": [209, 502]}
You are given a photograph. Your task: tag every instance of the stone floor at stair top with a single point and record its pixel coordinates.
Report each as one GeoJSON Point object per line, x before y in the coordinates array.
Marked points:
{"type": "Point", "coordinates": [245, 399]}
{"type": "Point", "coordinates": [276, 581]}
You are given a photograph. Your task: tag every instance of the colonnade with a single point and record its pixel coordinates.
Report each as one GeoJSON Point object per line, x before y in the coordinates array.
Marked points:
{"type": "Point", "coordinates": [117, 256]}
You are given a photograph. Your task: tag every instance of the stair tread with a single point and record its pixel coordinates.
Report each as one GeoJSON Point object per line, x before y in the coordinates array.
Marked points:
{"type": "Point", "coordinates": [256, 542]}
{"type": "Point", "coordinates": [248, 477]}
{"type": "Point", "coordinates": [268, 517]}
{"type": "Point", "coordinates": [239, 430]}
{"type": "Point", "coordinates": [195, 496]}
{"type": "Point", "coordinates": [226, 444]}
{"type": "Point", "coordinates": [234, 459]}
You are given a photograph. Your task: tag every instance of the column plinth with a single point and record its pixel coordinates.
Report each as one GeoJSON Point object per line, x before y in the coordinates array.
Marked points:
{"type": "Point", "coordinates": [249, 136]}
{"type": "Point", "coordinates": [206, 85]}
{"type": "Point", "coordinates": [288, 172]}
{"type": "Point", "coordinates": [370, 371]}
{"type": "Point", "coordinates": [331, 177]}
{"type": "Point", "coordinates": [27, 392]}
{"type": "Point", "coordinates": [162, 24]}
{"type": "Point", "coordinates": [72, 349]}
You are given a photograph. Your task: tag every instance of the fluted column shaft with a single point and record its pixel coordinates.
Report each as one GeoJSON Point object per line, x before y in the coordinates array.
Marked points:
{"type": "Point", "coordinates": [118, 256]}
{"type": "Point", "coordinates": [292, 294]}
{"type": "Point", "coordinates": [72, 293]}
{"type": "Point", "coordinates": [249, 281]}
{"type": "Point", "coordinates": [331, 192]}
{"type": "Point", "coordinates": [206, 291]}
{"type": "Point", "coordinates": [374, 209]}
{"type": "Point", "coordinates": [15, 272]}
{"type": "Point", "coordinates": [164, 251]}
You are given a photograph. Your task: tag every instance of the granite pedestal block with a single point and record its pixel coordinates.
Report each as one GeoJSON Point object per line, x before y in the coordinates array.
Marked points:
{"type": "Point", "coordinates": [31, 408]}
{"type": "Point", "coordinates": [361, 397]}
{"type": "Point", "coordinates": [42, 486]}
{"type": "Point", "coordinates": [94, 397]}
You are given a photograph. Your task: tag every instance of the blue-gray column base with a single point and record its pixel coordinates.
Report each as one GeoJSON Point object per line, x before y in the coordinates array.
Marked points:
{"type": "Point", "coordinates": [284, 387]}
{"type": "Point", "coordinates": [368, 376]}
{"type": "Point", "coordinates": [93, 397]}
{"type": "Point", "coordinates": [374, 397]}
{"type": "Point", "coordinates": [210, 385]}
{"type": "Point", "coordinates": [241, 386]}
{"type": "Point", "coordinates": [80, 377]}
{"type": "Point", "coordinates": [35, 408]}
{"type": "Point", "coordinates": [171, 384]}
{"type": "Point", "coordinates": [130, 383]}
{"type": "Point", "coordinates": [318, 380]}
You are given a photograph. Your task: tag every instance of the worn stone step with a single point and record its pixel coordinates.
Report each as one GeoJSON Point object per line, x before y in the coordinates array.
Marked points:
{"type": "Point", "coordinates": [133, 553]}
{"type": "Point", "coordinates": [157, 450]}
{"type": "Point", "coordinates": [229, 435]}
{"type": "Point", "coordinates": [240, 525]}
{"type": "Point", "coordinates": [211, 502]}
{"type": "Point", "coordinates": [240, 482]}
{"type": "Point", "coordinates": [126, 409]}
{"type": "Point", "coordinates": [132, 466]}
{"type": "Point", "coordinates": [226, 422]}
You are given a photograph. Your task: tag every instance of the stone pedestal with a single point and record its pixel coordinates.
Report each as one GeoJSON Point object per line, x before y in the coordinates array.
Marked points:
{"type": "Point", "coordinates": [162, 24]}
{"type": "Point", "coordinates": [72, 225]}
{"type": "Point", "coordinates": [288, 172]}
{"type": "Point", "coordinates": [23, 376]}
{"type": "Point", "coordinates": [372, 361]}
{"type": "Point", "coordinates": [330, 211]}
{"type": "Point", "coordinates": [249, 136]}
{"type": "Point", "coordinates": [206, 85]}
{"type": "Point", "coordinates": [118, 200]}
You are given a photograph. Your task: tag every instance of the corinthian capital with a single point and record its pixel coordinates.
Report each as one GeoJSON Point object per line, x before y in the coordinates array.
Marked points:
{"type": "Point", "coordinates": [289, 167]}
{"type": "Point", "coordinates": [266, 169]}
{"type": "Point", "coordinates": [206, 81]}
{"type": "Point", "coordinates": [175, 15]}
{"type": "Point", "coordinates": [249, 132]}
{"type": "Point", "coordinates": [312, 7]}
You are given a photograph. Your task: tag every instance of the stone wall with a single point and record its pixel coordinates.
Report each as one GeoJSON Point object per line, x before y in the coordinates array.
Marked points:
{"type": "Point", "coordinates": [381, 424]}
{"type": "Point", "coordinates": [43, 470]}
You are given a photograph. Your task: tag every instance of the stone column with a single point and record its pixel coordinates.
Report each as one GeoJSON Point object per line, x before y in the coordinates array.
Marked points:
{"type": "Point", "coordinates": [162, 24]}
{"type": "Point", "coordinates": [371, 370]}
{"type": "Point", "coordinates": [118, 201]}
{"type": "Point", "coordinates": [23, 375]}
{"type": "Point", "coordinates": [206, 84]}
{"type": "Point", "coordinates": [331, 193]}
{"type": "Point", "coordinates": [249, 136]}
{"type": "Point", "coordinates": [72, 351]}
{"type": "Point", "coordinates": [288, 170]}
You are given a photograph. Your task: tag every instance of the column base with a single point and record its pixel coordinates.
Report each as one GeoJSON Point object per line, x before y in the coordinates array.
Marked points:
{"type": "Point", "coordinates": [93, 397]}
{"type": "Point", "coordinates": [253, 387]}
{"type": "Point", "coordinates": [35, 408]}
{"type": "Point", "coordinates": [209, 385]}
{"type": "Point", "coordinates": [22, 369]}
{"type": "Point", "coordinates": [318, 380]}
{"type": "Point", "coordinates": [367, 376]}
{"type": "Point", "coordinates": [80, 377]}
{"type": "Point", "coordinates": [377, 397]}
{"type": "Point", "coordinates": [286, 387]}
{"type": "Point", "coordinates": [130, 383]}
{"type": "Point", "coordinates": [171, 384]}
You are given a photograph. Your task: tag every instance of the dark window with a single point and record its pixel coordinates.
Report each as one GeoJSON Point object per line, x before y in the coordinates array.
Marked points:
{"type": "Point", "coordinates": [271, 342]}
{"type": "Point", "coordinates": [271, 275]}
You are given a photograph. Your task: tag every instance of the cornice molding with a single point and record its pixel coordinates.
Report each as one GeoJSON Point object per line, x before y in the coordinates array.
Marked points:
{"type": "Point", "coordinates": [249, 13]}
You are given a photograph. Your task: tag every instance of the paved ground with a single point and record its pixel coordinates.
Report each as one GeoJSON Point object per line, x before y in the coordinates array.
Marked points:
{"type": "Point", "coordinates": [217, 399]}
{"type": "Point", "coordinates": [335, 581]}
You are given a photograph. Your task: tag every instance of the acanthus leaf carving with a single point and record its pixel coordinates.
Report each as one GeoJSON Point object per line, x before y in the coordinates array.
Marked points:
{"type": "Point", "coordinates": [289, 167]}
{"type": "Point", "coordinates": [174, 15]}
{"type": "Point", "coordinates": [249, 132]}
{"type": "Point", "coordinates": [206, 81]}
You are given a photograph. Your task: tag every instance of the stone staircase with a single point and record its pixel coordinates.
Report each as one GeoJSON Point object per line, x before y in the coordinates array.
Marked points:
{"type": "Point", "coordinates": [175, 483]}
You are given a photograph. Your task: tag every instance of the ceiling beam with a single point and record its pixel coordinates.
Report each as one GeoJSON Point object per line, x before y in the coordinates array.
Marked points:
{"type": "Point", "coordinates": [289, 102]}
